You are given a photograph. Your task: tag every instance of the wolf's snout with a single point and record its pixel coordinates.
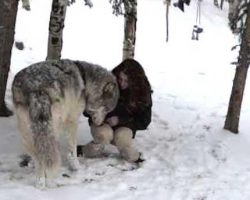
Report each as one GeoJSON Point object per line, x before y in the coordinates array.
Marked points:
{"type": "Point", "coordinates": [97, 120]}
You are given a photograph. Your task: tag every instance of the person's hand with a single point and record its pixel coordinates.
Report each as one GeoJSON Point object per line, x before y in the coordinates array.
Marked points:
{"type": "Point", "coordinates": [113, 121]}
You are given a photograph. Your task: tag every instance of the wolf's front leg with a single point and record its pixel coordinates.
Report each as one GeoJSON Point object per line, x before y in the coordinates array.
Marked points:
{"type": "Point", "coordinates": [40, 176]}
{"type": "Point", "coordinates": [43, 182]}
{"type": "Point", "coordinates": [72, 141]}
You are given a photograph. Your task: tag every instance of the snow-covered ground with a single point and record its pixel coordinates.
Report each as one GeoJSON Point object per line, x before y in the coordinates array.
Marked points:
{"type": "Point", "coordinates": [188, 154]}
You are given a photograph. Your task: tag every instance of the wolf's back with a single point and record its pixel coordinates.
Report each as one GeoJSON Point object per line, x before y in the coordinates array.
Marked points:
{"type": "Point", "coordinates": [50, 76]}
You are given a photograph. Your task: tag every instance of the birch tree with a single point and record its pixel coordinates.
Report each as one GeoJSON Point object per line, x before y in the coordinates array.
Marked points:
{"type": "Point", "coordinates": [8, 12]}
{"type": "Point", "coordinates": [167, 2]}
{"type": "Point", "coordinates": [240, 23]}
{"type": "Point", "coordinates": [56, 25]}
{"type": "Point", "coordinates": [221, 4]}
{"type": "Point", "coordinates": [127, 8]}
{"type": "Point", "coordinates": [130, 19]}
{"type": "Point", "coordinates": [216, 3]}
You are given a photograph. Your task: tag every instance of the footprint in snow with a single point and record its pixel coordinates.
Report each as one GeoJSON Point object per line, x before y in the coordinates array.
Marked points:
{"type": "Point", "coordinates": [218, 153]}
{"type": "Point", "coordinates": [157, 119]}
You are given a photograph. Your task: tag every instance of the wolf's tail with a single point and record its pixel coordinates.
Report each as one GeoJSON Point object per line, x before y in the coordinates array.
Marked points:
{"type": "Point", "coordinates": [46, 147]}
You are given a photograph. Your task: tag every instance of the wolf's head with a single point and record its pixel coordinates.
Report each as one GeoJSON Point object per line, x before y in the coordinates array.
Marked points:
{"type": "Point", "coordinates": [99, 103]}
{"type": "Point", "coordinates": [101, 90]}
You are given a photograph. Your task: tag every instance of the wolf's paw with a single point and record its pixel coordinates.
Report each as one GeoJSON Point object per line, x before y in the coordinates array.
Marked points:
{"type": "Point", "coordinates": [74, 164]}
{"type": "Point", "coordinates": [40, 183]}
{"type": "Point", "coordinates": [51, 183]}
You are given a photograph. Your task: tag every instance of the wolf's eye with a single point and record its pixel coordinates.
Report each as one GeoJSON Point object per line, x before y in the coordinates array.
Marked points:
{"type": "Point", "coordinates": [90, 112]}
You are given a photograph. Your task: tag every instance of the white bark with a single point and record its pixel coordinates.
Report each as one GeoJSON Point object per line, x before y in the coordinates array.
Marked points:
{"type": "Point", "coordinates": [129, 28]}
{"type": "Point", "coordinates": [56, 25]}
{"type": "Point", "coordinates": [167, 2]}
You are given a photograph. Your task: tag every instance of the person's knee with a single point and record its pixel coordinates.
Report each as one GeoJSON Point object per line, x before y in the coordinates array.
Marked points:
{"type": "Point", "coordinates": [123, 137]}
{"type": "Point", "coordinates": [102, 134]}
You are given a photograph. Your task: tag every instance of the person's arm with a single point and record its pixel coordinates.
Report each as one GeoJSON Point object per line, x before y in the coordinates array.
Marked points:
{"type": "Point", "coordinates": [119, 117]}
{"type": "Point", "coordinates": [138, 120]}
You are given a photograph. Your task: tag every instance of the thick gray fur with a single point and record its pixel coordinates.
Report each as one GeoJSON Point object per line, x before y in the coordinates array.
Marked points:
{"type": "Point", "coordinates": [49, 97]}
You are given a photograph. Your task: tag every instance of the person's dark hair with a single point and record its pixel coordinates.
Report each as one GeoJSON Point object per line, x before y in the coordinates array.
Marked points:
{"type": "Point", "coordinates": [139, 86]}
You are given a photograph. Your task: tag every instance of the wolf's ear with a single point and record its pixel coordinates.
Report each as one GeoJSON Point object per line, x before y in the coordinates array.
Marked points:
{"type": "Point", "coordinates": [109, 90]}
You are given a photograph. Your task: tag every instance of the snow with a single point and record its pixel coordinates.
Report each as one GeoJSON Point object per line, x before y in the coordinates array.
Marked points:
{"type": "Point", "coordinates": [188, 153]}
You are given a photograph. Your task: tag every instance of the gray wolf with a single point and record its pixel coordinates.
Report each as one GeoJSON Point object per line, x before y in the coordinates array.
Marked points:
{"type": "Point", "coordinates": [49, 97]}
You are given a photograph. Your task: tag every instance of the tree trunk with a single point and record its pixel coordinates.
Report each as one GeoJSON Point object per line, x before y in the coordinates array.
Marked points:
{"type": "Point", "coordinates": [8, 12]}
{"type": "Point", "coordinates": [56, 25]}
{"type": "Point", "coordinates": [233, 113]}
{"type": "Point", "coordinates": [129, 28]}
{"type": "Point", "coordinates": [168, 2]}
{"type": "Point", "coordinates": [221, 4]}
{"type": "Point", "coordinates": [216, 3]}
{"type": "Point", "coordinates": [233, 9]}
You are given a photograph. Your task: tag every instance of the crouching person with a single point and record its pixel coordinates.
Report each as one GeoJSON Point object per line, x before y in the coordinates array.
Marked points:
{"type": "Point", "coordinates": [132, 113]}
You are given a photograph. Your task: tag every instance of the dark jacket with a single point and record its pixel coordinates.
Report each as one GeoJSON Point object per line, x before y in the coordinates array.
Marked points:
{"type": "Point", "coordinates": [135, 119]}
